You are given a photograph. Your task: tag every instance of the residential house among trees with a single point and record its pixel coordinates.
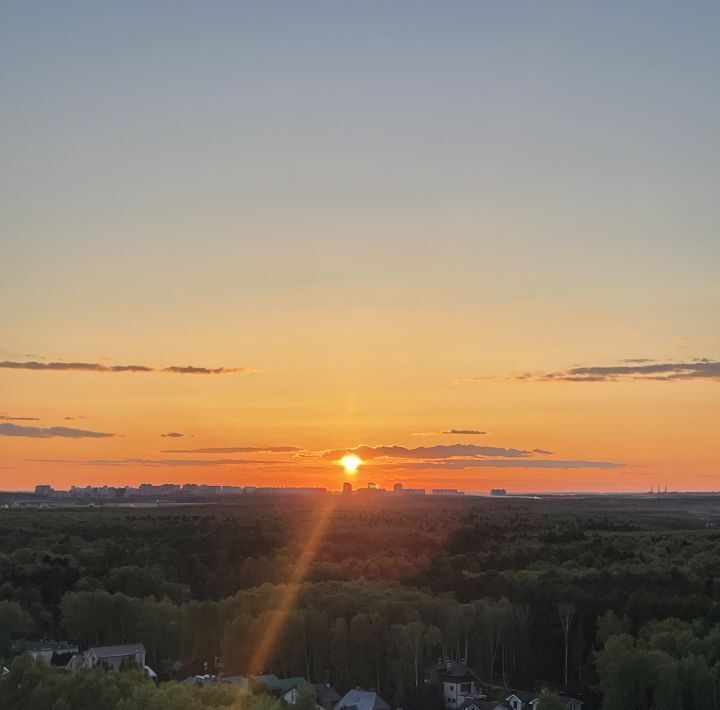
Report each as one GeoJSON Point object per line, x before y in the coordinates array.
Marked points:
{"type": "Point", "coordinates": [459, 683]}
{"type": "Point", "coordinates": [110, 657]}
{"type": "Point", "coordinates": [327, 696]}
{"type": "Point", "coordinates": [359, 699]}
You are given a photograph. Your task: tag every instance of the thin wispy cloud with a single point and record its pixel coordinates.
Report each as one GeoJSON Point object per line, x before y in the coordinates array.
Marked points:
{"type": "Point", "coordinates": [6, 418]}
{"type": "Point", "coordinates": [173, 435]}
{"type": "Point", "coordinates": [459, 464]}
{"type": "Point", "coordinates": [236, 450]}
{"type": "Point", "coordinates": [441, 451]}
{"type": "Point", "coordinates": [158, 462]}
{"type": "Point", "coordinates": [34, 432]}
{"type": "Point", "coordinates": [633, 369]}
{"type": "Point", "coordinates": [454, 432]}
{"type": "Point", "coordinates": [37, 366]}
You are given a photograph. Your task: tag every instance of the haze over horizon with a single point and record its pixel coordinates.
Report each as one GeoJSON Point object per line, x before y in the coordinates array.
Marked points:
{"type": "Point", "coordinates": [474, 245]}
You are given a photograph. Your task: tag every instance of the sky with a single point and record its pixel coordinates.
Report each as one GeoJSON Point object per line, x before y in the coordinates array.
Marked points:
{"type": "Point", "coordinates": [475, 243]}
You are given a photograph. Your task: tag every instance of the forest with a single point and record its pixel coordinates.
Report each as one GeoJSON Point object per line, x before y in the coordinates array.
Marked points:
{"type": "Point", "coordinates": [611, 599]}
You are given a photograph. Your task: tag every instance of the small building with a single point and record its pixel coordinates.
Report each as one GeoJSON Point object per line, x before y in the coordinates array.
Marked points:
{"type": "Point", "coordinates": [111, 657]}
{"type": "Point", "coordinates": [498, 492]}
{"type": "Point", "coordinates": [327, 696]}
{"type": "Point", "coordinates": [459, 682]}
{"type": "Point", "coordinates": [52, 652]}
{"type": "Point", "coordinates": [522, 699]}
{"type": "Point", "coordinates": [281, 687]}
{"type": "Point", "coordinates": [483, 705]}
{"type": "Point", "coordinates": [359, 699]}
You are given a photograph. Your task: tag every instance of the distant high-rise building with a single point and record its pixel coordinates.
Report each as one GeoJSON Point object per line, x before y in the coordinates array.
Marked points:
{"type": "Point", "coordinates": [347, 488]}
{"type": "Point", "coordinates": [398, 487]}
{"type": "Point", "coordinates": [43, 490]}
{"type": "Point", "coordinates": [372, 486]}
{"type": "Point", "coordinates": [498, 492]}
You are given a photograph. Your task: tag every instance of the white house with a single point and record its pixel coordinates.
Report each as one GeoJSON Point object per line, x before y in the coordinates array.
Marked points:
{"type": "Point", "coordinates": [529, 700]}
{"type": "Point", "coordinates": [521, 699]}
{"type": "Point", "coordinates": [111, 657]}
{"type": "Point", "coordinates": [459, 683]}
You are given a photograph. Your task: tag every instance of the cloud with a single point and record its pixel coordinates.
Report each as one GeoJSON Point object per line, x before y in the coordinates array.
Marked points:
{"type": "Point", "coordinates": [172, 435]}
{"type": "Point", "coordinates": [636, 369]}
{"type": "Point", "coordinates": [72, 419]}
{"type": "Point", "coordinates": [703, 369]}
{"type": "Point", "coordinates": [441, 451]}
{"type": "Point", "coordinates": [235, 450]}
{"type": "Point", "coordinates": [19, 419]}
{"type": "Point", "coordinates": [456, 464]}
{"type": "Point", "coordinates": [457, 432]}
{"type": "Point", "coordinates": [191, 370]}
{"type": "Point", "coordinates": [99, 367]}
{"type": "Point", "coordinates": [542, 451]}
{"type": "Point", "coordinates": [157, 462]}
{"type": "Point", "coordinates": [48, 432]}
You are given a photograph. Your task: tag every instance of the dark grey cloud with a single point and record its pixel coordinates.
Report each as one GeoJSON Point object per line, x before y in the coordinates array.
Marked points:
{"type": "Point", "coordinates": [542, 451]}
{"type": "Point", "coordinates": [236, 450]}
{"type": "Point", "coordinates": [191, 370]}
{"type": "Point", "coordinates": [457, 432]}
{"type": "Point", "coordinates": [504, 463]}
{"type": "Point", "coordinates": [18, 419]}
{"type": "Point", "coordinates": [172, 435]}
{"type": "Point", "coordinates": [99, 367]}
{"type": "Point", "coordinates": [48, 432]}
{"type": "Point", "coordinates": [441, 451]}
{"type": "Point", "coordinates": [636, 370]}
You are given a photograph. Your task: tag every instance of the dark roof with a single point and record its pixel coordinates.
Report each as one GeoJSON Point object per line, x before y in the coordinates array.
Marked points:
{"type": "Point", "coordinates": [128, 649]}
{"type": "Point", "coordinates": [482, 704]}
{"type": "Point", "coordinates": [362, 700]}
{"type": "Point", "coordinates": [525, 696]}
{"type": "Point", "coordinates": [326, 693]}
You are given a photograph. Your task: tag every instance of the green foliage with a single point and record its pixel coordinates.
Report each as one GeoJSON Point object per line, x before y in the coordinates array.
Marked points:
{"type": "Point", "coordinates": [525, 590]}
{"type": "Point", "coordinates": [550, 700]}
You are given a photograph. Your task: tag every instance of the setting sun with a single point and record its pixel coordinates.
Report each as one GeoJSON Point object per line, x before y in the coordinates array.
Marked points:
{"type": "Point", "coordinates": [350, 463]}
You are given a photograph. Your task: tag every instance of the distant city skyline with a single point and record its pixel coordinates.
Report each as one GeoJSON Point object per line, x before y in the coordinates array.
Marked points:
{"type": "Point", "coordinates": [474, 245]}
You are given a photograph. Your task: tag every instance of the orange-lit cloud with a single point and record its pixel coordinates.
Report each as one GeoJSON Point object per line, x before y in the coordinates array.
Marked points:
{"type": "Point", "coordinates": [441, 451]}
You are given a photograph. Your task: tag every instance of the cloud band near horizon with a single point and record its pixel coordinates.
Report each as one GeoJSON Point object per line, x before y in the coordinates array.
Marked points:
{"type": "Point", "coordinates": [36, 366]}
{"type": "Point", "coordinates": [34, 432]}
{"type": "Point", "coordinates": [633, 369]}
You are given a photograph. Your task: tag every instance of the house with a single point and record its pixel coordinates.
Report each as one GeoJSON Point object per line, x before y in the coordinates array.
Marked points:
{"type": "Point", "coordinates": [483, 705]}
{"type": "Point", "coordinates": [327, 696]}
{"type": "Point", "coordinates": [47, 650]}
{"type": "Point", "coordinates": [111, 657]}
{"type": "Point", "coordinates": [359, 699]}
{"type": "Point", "coordinates": [282, 687]}
{"type": "Point", "coordinates": [459, 683]}
{"type": "Point", "coordinates": [530, 700]}
{"type": "Point", "coordinates": [522, 699]}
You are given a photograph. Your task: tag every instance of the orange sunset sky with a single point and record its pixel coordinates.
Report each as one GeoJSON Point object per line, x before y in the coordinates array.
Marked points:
{"type": "Point", "coordinates": [476, 244]}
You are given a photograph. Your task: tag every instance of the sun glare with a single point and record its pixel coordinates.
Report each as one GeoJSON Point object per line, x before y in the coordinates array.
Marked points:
{"type": "Point", "coordinates": [350, 463]}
